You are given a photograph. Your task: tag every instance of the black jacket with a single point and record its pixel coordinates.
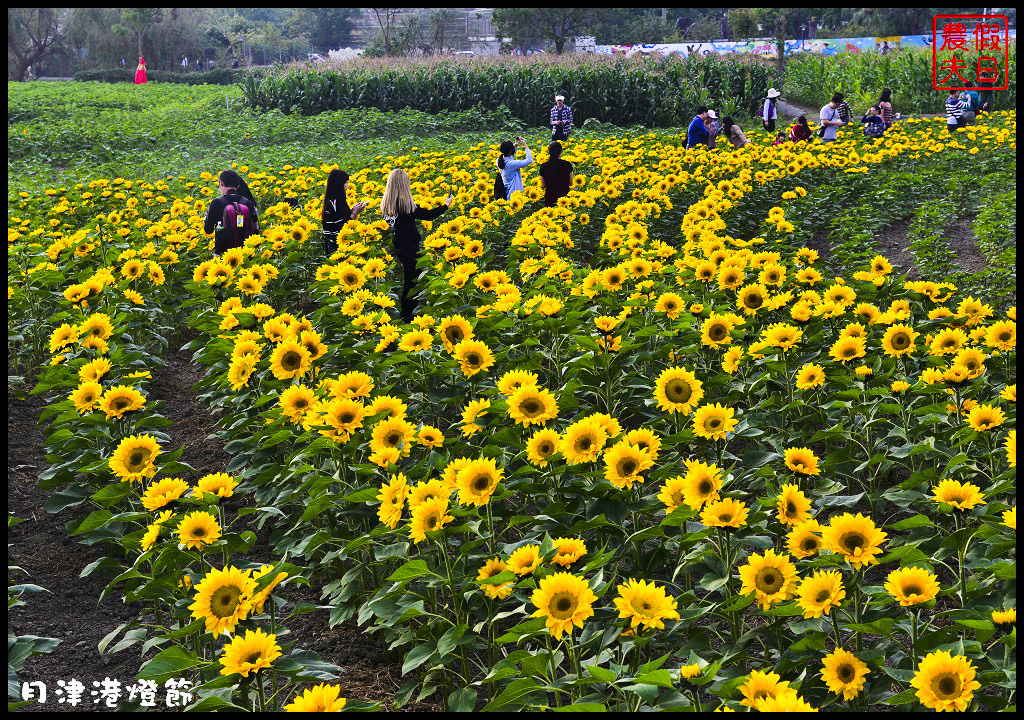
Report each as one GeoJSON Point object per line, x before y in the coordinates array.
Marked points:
{"type": "Point", "coordinates": [406, 237]}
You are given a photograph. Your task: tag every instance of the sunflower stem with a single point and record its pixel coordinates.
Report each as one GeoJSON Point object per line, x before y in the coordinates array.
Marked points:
{"type": "Point", "coordinates": [835, 627]}
{"type": "Point", "coordinates": [913, 640]}
{"type": "Point", "coordinates": [259, 692]}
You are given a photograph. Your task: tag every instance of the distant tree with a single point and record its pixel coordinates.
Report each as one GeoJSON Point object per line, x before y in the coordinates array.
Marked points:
{"type": "Point", "coordinates": [550, 24]}
{"type": "Point", "coordinates": [776, 22]}
{"type": "Point", "coordinates": [437, 27]}
{"type": "Point", "coordinates": [139, 22]}
{"type": "Point", "coordinates": [33, 35]}
{"type": "Point", "coordinates": [327, 28]}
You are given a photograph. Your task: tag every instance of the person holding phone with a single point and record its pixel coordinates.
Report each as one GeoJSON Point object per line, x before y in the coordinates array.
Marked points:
{"type": "Point", "coordinates": [510, 167]}
{"type": "Point", "coordinates": [401, 213]}
{"type": "Point", "coordinates": [336, 211]}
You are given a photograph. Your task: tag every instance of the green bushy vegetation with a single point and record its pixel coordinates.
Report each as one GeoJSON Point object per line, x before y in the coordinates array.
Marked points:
{"type": "Point", "coordinates": [657, 92]}
{"type": "Point", "coordinates": [811, 79]}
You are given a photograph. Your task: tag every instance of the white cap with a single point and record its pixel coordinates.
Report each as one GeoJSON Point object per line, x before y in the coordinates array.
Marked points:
{"type": "Point", "coordinates": [773, 93]}
{"type": "Point", "coordinates": [711, 114]}
{"type": "Point", "coordinates": [560, 97]}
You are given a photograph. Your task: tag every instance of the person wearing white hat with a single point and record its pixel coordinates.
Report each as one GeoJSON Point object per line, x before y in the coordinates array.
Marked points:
{"type": "Point", "coordinates": [769, 113]}
{"type": "Point", "coordinates": [561, 119]}
{"type": "Point", "coordinates": [711, 123]}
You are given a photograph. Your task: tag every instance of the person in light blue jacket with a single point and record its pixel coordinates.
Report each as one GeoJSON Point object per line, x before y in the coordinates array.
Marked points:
{"type": "Point", "coordinates": [510, 167]}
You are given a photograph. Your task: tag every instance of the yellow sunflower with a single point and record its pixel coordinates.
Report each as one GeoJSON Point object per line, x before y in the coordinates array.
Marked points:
{"type": "Point", "coordinates": [726, 512]}
{"type": "Point", "coordinates": [428, 516]}
{"type": "Point", "coordinates": [135, 458]}
{"type": "Point", "coordinates": [945, 681]}
{"type": "Point", "coordinates": [494, 566]}
{"type": "Point", "coordinates": [770, 577]}
{"type": "Point", "coordinates": [319, 698]}
{"type": "Point", "coordinates": [198, 529]}
{"type": "Point", "coordinates": [804, 540]}
{"type": "Point", "coordinates": [643, 603]}
{"type": "Point", "coordinates": [802, 461]}
{"type": "Point", "coordinates": [163, 492]}
{"type": "Point", "coordinates": [714, 422]}
{"type": "Point", "coordinates": [761, 685]}
{"type": "Point", "coordinates": [701, 483]}
{"type": "Point", "coordinates": [474, 357]}
{"type": "Point", "coordinates": [844, 673]}
{"type": "Point", "coordinates": [794, 507]}
{"type": "Point", "coordinates": [477, 481]}
{"type": "Point", "coordinates": [821, 592]}
{"type": "Point", "coordinates": [542, 445]}
{"type": "Point", "coordinates": [290, 360]}
{"type": "Point", "coordinates": [250, 653]}
{"type": "Point", "coordinates": [565, 601]}
{"type": "Point", "coordinates": [624, 463]}
{"type": "Point", "coordinates": [855, 537]}
{"type": "Point", "coordinates": [532, 406]}
{"type": "Point", "coordinates": [809, 376]}
{"type": "Point", "coordinates": [223, 599]}
{"type": "Point", "coordinates": [912, 585]}
{"type": "Point", "coordinates": [678, 390]}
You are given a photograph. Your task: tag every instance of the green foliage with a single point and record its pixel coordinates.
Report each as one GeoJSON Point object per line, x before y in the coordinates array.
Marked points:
{"type": "Point", "coordinates": [658, 92]}
{"type": "Point", "coordinates": [810, 79]}
{"type": "Point", "coordinates": [218, 76]}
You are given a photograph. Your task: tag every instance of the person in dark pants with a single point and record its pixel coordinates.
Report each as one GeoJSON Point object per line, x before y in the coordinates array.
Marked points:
{"type": "Point", "coordinates": [555, 175]}
{"type": "Point", "coordinates": [233, 190]}
{"type": "Point", "coordinates": [401, 212]}
{"type": "Point", "coordinates": [336, 211]}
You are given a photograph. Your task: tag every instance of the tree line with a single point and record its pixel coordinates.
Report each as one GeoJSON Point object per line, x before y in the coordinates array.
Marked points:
{"type": "Point", "coordinates": [62, 41]}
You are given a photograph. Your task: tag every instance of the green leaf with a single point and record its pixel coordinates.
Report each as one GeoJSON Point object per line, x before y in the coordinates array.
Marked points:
{"type": "Point", "coordinates": [411, 570]}
{"type": "Point", "coordinates": [170, 662]}
{"type": "Point", "coordinates": [462, 700]}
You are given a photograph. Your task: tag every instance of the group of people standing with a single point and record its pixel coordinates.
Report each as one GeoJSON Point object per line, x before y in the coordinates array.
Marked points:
{"type": "Point", "coordinates": [233, 216]}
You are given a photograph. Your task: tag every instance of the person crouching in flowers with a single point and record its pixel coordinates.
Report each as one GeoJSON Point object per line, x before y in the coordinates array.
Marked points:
{"type": "Point", "coordinates": [401, 212]}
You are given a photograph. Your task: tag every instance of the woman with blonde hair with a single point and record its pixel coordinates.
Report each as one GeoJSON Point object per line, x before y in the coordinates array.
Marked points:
{"type": "Point", "coordinates": [401, 212]}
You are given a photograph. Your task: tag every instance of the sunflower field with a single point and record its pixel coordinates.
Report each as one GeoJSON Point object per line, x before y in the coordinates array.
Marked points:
{"type": "Point", "coordinates": [648, 449]}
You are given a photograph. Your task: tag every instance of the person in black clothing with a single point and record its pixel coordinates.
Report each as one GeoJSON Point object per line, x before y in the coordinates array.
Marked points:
{"type": "Point", "coordinates": [401, 212]}
{"type": "Point", "coordinates": [233, 189]}
{"type": "Point", "coordinates": [555, 175]}
{"type": "Point", "coordinates": [336, 211]}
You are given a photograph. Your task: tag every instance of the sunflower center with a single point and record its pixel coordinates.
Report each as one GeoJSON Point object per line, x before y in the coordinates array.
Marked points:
{"type": "Point", "coordinates": [678, 391]}
{"type": "Point", "coordinates": [224, 600]}
{"type": "Point", "coordinates": [393, 439]}
{"type": "Point", "coordinates": [344, 418]}
{"type": "Point", "coordinates": [845, 673]}
{"type": "Point", "coordinates": [809, 544]}
{"type": "Point", "coordinates": [769, 580]}
{"type": "Point", "coordinates": [473, 359]}
{"type": "Point", "coordinates": [823, 595]}
{"type": "Point", "coordinates": [291, 361]}
{"type": "Point", "coordinates": [705, 487]}
{"type": "Point", "coordinates": [753, 301]}
{"type": "Point", "coordinates": [546, 448]}
{"type": "Point", "coordinates": [563, 605]}
{"type": "Point", "coordinates": [852, 542]}
{"type": "Point", "coordinates": [900, 340]}
{"type": "Point", "coordinates": [946, 686]}
{"type": "Point", "coordinates": [432, 522]}
{"type": "Point", "coordinates": [725, 517]}
{"type": "Point", "coordinates": [531, 407]}
{"type": "Point", "coordinates": [137, 458]}
{"type": "Point", "coordinates": [790, 509]}
{"type": "Point", "coordinates": [627, 466]}
{"type": "Point", "coordinates": [253, 658]}
{"type": "Point", "coordinates": [912, 590]}
{"type": "Point", "coordinates": [481, 483]}
{"type": "Point", "coordinates": [717, 332]}
{"type": "Point", "coordinates": [198, 532]}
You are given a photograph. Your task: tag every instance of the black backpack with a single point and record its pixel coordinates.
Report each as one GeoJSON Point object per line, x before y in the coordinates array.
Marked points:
{"type": "Point", "coordinates": [500, 193]}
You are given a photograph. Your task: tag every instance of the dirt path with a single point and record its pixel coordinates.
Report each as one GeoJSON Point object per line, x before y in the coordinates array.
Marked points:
{"type": "Point", "coordinates": [70, 611]}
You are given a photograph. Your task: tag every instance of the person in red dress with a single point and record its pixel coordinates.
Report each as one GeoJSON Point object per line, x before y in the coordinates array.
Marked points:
{"type": "Point", "coordinates": [140, 71]}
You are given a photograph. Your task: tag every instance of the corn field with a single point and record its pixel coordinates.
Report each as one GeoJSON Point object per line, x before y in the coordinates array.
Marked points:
{"type": "Point", "coordinates": [643, 91]}
{"type": "Point", "coordinates": [811, 79]}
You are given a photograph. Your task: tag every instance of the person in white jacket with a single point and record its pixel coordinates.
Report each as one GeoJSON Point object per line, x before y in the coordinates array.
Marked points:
{"type": "Point", "coordinates": [769, 113]}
